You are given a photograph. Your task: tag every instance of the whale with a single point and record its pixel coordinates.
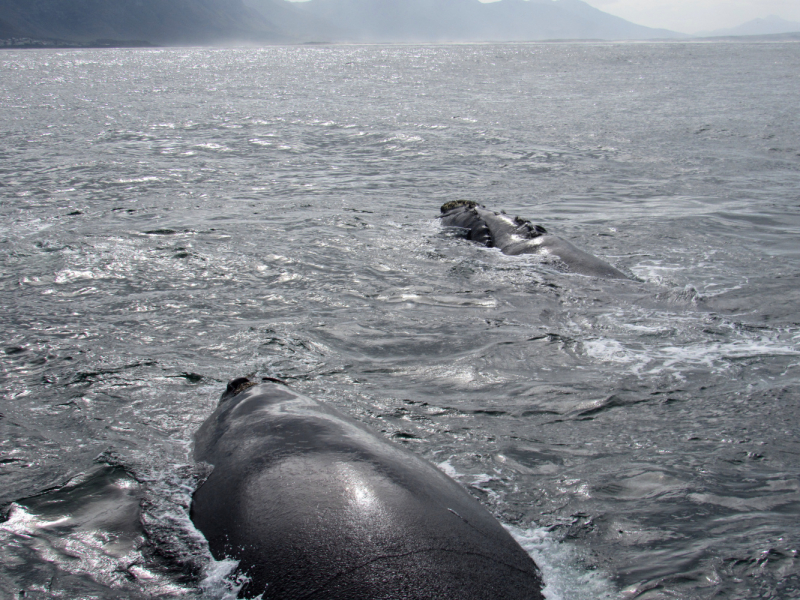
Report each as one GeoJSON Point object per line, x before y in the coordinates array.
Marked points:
{"type": "Point", "coordinates": [516, 235]}
{"type": "Point", "coordinates": [315, 505]}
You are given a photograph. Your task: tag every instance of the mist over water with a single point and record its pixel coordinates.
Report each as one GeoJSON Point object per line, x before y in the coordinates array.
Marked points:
{"type": "Point", "coordinates": [172, 219]}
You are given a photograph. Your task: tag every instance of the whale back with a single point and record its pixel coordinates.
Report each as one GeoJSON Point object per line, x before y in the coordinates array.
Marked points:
{"type": "Point", "coordinates": [315, 505]}
{"type": "Point", "coordinates": [466, 217]}
{"type": "Point", "coordinates": [516, 235]}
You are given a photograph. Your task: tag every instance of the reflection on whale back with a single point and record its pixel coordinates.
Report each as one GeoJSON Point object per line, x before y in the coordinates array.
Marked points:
{"type": "Point", "coordinates": [315, 505]}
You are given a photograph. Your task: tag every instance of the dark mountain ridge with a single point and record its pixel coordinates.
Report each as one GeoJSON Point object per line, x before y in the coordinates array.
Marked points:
{"type": "Point", "coordinates": [161, 22]}
{"type": "Point", "coordinates": [204, 22]}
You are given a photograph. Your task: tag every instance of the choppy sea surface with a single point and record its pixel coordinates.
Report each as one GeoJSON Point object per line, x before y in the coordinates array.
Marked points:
{"type": "Point", "coordinates": [171, 219]}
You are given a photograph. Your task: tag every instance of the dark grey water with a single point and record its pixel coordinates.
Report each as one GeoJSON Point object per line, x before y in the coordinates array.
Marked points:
{"type": "Point", "coordinates": [174, 218]}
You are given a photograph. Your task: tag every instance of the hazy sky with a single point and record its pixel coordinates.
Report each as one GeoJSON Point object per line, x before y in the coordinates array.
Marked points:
{"type": "Point", "coordinates": [691, 16]}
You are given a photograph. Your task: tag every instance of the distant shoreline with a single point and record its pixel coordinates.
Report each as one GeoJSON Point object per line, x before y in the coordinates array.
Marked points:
{"type": "Point", "coordinates": [25, 43]}
{"type": "Point", "coordinates": [18, 43]}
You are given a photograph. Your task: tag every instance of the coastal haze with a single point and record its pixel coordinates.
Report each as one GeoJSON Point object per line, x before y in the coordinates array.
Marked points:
{"type": "Point", "coordinates": [697, 17]}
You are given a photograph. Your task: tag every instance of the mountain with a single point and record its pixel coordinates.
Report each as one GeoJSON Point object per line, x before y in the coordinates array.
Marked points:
{"type": "Point", "coordinates": [471, 20]}
{"type": "Point", "coordinates": [162, 22]}
{"type": "Point", "coordinates": [208, 22]}
{"type": "Point", "coordinates": [767, 26]}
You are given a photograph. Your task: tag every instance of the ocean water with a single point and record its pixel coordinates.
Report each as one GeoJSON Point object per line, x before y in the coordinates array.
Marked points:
{"type": "Point", "coordinates": [175, 218]}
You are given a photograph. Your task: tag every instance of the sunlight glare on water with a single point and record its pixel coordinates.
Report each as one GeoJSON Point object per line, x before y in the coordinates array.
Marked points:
{"type": "Point", "coordinates": [174, 218]}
